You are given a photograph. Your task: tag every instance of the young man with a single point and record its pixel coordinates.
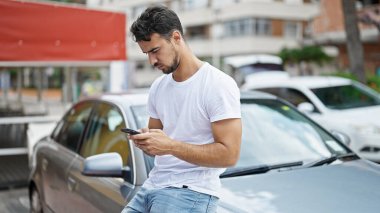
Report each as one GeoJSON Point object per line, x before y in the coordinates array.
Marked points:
{"type": "Point", "coordinates": [194, 129]}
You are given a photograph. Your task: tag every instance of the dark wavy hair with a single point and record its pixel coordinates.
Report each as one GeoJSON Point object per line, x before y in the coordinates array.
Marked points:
{"type": "Point", "coordinates": [156, 19]}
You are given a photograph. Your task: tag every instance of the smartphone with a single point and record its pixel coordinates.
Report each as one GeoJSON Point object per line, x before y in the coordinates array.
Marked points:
{"type": "Point", "coordinates": [130, 131]}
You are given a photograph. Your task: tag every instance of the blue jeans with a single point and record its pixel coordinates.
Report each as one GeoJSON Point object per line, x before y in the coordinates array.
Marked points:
{"type": "Point", "coordinates": [171, 199]}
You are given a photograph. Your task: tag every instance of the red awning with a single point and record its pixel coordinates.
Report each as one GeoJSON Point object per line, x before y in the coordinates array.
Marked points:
{"type": "Point", "coordinates": [35, 31]}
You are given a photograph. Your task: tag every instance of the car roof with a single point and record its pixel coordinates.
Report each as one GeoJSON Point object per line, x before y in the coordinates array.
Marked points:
{"type": "Point", "coordinates": [132, 99]}
{"type": "Point", "coordinates": [319, 81]}
{"type": "Point", "coordinates": [125, 98]}
{"type": "Point", "coordinates": [284, 79]}
{"type": "Point", "coordinates": [243, 60]}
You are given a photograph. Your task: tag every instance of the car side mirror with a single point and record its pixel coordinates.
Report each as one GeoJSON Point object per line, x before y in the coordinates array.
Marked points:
{"type": "Point", "coordinates": [105, 165]}
{"type": "Point", "coordinates": [305, 107]}
{"type": "Point", "coordinates": [342, 137]}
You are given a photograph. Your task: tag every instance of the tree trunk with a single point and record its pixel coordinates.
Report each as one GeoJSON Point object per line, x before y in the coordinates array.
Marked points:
{"type": "Point", "coordinates": [354, 45]}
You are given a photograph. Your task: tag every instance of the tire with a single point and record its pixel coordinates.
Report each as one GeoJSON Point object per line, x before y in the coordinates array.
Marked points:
{"type": "Point", "coordinates": [35, 201]}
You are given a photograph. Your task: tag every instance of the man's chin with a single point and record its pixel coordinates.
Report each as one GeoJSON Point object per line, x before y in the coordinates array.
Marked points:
{"type": "Point", "coordinates": [166, 71]}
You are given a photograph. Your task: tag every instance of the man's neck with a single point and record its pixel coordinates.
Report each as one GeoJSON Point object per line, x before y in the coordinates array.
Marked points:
{"type": "Point", "coordinates": [187, 68]}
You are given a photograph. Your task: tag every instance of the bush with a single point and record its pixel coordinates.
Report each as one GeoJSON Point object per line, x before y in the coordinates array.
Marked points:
{"type": "Point", "coordinates": [344, 75]}
{"type": "Point", "coordinates": [373, 81]}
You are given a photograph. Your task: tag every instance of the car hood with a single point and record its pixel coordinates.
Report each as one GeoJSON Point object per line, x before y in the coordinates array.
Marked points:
{"type": "Point", "coordinates": [363, 115]}
{"type": "Point", "coordinates": [346, 187]}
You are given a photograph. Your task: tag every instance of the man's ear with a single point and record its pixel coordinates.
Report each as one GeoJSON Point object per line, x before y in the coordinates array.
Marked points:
{"type": "Point", "coordinates": [177, 36]}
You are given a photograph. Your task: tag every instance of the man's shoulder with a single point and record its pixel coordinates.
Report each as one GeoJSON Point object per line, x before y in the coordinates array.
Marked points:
{"type": "Point", "coordinates": [218, 75]}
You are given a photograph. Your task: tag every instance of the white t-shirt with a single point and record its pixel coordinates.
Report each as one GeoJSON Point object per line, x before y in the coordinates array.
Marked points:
{"type": "Point", "coordinates": [186, 110]}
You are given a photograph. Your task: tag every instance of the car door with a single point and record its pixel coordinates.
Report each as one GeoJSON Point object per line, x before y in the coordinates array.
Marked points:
{"type": "Point", "coordinates": [57, 156]}
{"type": "Point", "coordinates": [98, 194]}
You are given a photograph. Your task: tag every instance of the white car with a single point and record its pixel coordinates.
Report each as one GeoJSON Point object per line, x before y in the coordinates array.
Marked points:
{"type": "Point", "coordinates": [240, 66]}
{"type": "Point", "coordinates": [338, 104]}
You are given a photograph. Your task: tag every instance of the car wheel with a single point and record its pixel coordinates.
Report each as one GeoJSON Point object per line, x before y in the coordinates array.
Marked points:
{"type": "Point", "coordinates": [35, 201]}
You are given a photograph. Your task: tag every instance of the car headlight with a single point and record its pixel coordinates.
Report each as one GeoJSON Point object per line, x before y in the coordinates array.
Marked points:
{"type": "Point", "coordinates": [367, 129]}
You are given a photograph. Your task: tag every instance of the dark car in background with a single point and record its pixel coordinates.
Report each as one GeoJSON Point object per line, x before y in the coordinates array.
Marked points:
{"type": "Point", "coordinates": [288, 163]}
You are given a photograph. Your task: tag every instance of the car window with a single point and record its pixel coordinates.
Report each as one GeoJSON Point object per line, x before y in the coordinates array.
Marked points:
{"type": "Point", "coordinates": [273, 133]}
{"type": "Point", "coordinates": [346, 97]}
{"type": "Point", "coordinates": [294, 96]}
{"type": "Point", "coordinates": [104, 134]}
{"type": "Point", "coordinates": [70, 129]}
{"type": "Point", "coordinates": [141, 117]}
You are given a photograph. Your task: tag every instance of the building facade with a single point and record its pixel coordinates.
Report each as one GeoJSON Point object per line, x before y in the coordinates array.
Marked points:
{"type": "Point", "coordinates": [216, 29]}
{"type": "Point", "coordinates": [328, 29]}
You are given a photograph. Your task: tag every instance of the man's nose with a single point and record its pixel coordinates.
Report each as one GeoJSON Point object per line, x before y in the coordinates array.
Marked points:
{"type": "Point", "coordinates": [152, 59]}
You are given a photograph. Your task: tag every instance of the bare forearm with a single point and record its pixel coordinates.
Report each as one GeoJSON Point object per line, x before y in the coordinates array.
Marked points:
{"type": "Point", "coordinates": [208, 155]}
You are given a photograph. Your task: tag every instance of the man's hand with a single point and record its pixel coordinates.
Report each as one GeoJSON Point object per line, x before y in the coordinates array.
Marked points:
{"type": "Point", "coordinates": [153, 141]}
{"type": "Point", "coordinates": [223, 152]}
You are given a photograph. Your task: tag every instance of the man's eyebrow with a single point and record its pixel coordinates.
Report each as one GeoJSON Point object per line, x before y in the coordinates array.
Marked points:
{"type": "Point", "coordinates": [153, 49]}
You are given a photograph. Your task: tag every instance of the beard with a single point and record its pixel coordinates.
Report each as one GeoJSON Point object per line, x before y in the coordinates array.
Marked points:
{"type": "Point", "coordinates": [173, 67]}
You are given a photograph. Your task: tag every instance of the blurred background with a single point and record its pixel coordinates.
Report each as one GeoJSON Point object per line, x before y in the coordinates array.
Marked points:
{"type": "Point", "coordinates": [308, 35]}
{"type": "Point", "coordinates": [53, 53]}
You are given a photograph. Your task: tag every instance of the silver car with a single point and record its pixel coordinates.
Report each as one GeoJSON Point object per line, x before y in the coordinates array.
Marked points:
{"type": "Point", "coordinates": [288, 163]}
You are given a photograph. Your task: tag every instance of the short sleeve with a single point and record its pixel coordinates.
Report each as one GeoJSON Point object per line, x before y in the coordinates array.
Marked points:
{"type": "Point", "coordinates": [152, 99]}
{"type": "Point", "coordinates": [223, 101]}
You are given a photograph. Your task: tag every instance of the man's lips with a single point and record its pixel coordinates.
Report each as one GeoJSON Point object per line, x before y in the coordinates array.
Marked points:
{"type": "Point", "coordinates": [160, 67]}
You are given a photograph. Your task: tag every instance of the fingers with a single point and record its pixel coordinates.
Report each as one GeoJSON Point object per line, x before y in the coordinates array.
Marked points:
{"type": "Point", "coordinates": [156, 130]}
{"type": "Point", "coordinates": [141, 136]}
{"type": "Point", "coordinates": [146, 133]}
{"type": "Point", "coordinates": [143, 130]}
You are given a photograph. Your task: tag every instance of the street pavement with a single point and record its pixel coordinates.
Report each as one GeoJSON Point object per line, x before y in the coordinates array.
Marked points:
{"type": "Point", "coordinates": [14, 170]}
{"type": "Point", "coordinates": [14, 200]}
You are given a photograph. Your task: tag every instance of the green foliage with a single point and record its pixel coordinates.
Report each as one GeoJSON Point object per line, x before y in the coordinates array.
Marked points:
{"type": "Point", "coordinates": [344, 75]}
{"type": "Point", "coordinates": [373, 81]}
{"type": "Point", "coordinates": [304, 54]}
{"type": "Point", "coordinates": [13, 71]}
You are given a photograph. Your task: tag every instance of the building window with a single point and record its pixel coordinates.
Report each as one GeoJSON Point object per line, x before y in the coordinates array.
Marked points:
{"type": "Point", "coordinates": [197, 32]}
{"type": "Point", "coordinates": [248, 26]}
{"type": "Point", "coordinates": [263, 27]}
{"type": "Point", "coordinates": [239, 27]}
{"type": "Point", "coordinates": [291, 29]}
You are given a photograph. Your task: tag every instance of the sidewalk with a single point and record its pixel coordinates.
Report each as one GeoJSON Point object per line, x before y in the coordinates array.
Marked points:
{"type": "Point", "coordinates": [14, 171]}
{"type": "Point", "coordinates": [14, 200]}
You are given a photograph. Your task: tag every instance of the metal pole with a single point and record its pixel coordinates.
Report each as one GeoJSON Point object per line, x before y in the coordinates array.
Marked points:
{"type": "Point", "coordinates": [68, 84]}
{"type": "Point", "coordinates": [4, 77]}
{"type": "Point", "coordinates": [39, 84]}
{"type": "Point", "coordinates": [74, 85]}
{"type": "Point", "coordinates": [19, 84]}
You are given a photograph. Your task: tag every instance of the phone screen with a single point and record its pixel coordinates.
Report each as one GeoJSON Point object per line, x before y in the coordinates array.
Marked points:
{"type": "Point", "coordinates": [130, 131]}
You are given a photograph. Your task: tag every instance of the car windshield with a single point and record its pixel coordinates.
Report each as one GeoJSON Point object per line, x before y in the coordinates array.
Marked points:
{"type": "Point", "coordinates": [275, 133]}
{"type": "Point", "coordinates": [347, 96]}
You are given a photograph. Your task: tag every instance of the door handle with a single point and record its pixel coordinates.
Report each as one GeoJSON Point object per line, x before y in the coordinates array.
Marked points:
{"type": "Point", "coordinates": [71, 184]}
